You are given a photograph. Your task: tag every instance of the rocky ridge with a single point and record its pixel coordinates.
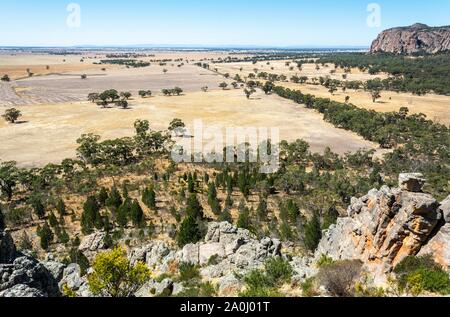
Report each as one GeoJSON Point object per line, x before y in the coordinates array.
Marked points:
{"type": "Point", "coordinates": [387, 225]}
{"type": "Point", "coordinates": [418, 38]}
{"type": "Point", "coordinates": [381, 229]}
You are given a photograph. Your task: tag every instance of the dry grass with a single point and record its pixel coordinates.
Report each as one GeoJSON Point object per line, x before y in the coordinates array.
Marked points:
{"type": "Point", "coordinates": [49, 132]}
{"type": "Point", "coordinates": [280, 68]}
{"type": "Point", "coordinates": [436, 107]}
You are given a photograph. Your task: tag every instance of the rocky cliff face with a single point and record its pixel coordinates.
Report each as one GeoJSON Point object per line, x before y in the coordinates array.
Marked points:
{"type": "Point", "coordinates": [413, 39]}
{"type": "Point", "coordinates": [387, 225]}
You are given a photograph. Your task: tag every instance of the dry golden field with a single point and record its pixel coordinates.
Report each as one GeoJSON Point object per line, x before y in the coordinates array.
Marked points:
{"type": "Point", "coordinates": [49, 132]}
{"type": "Point", "coordinates": [436, 107]}
{"type": "Point", "coordinates": [55, 112]}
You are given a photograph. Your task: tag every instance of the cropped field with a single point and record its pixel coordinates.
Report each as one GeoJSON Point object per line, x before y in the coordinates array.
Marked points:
{"type": "Point", "coordinates": [436, 107]}
{"type": "Point", "coordinates": [49, 132]}
{"type": "Point", "coordinates": [57, 88]}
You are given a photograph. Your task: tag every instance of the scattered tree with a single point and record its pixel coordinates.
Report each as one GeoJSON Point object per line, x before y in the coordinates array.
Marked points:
{"type": "Point", "coordinates": [11, 115]}
{"type": "Point", "coordinates": [189, 231]}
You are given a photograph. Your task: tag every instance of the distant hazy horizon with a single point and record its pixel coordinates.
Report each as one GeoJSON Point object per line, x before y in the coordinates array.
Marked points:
{"type": "Point", "coordinates": [211, 23]}
{"type": "Point", "coordinates": [189, 47]}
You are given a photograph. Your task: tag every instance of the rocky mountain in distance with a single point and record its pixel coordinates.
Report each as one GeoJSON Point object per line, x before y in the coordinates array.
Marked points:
{"type": "Point", "coordinates": [417, 38]}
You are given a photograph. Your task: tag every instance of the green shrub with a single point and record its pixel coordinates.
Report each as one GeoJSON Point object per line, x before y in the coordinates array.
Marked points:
{"type": "Point", "coordinates": [188, 272]}
{"type": "Point", "coordinates": [213, 260]}
{"type": "Point", "coordinates": [265, 283]}
{"type": "Point", "coordinates": [324, 260]}
{"type": "Point", "coordinates": [162, 277]}
{"type": "Point", "coordinates": [421, 274]}
{"type": "Point", "coordinates": [278, 270]}
{"type": "Point", "coordinates": [200, 290]}
{"type": "Point", "coordinates": [258, 284]}
{"type": "Point", "coordinates": [189, 232]}
{"type": "Point", "coordinates": [308, 288]}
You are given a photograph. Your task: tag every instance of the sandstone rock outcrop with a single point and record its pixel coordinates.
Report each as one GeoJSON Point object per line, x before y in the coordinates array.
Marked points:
{"type": "Point", "coordinates": [439, 244]}
{"type": "Point", "coordinates": [385, 226]}
{"type": "Point", "coordinates": [413, 39]}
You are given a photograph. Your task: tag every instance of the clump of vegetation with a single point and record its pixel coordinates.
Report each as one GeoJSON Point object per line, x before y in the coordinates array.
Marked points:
{"type": "Point", "coordinates": [417, 75]}
{"type": "Point", "coordinates": [266, 282]}
{"type": "Point", "coordinates": [416, 275]}
{"type": "Point", "coordinates": [415, 140]}
{"type": "Point", "coordinates": [340, 278]}
{"type": "Point", "coordinates": [177, 91]}
{"type": "Point", "coordinates": [46, 235]}
{"type": "Point", "coordinates": [309, 288]}
{"type": "Point", "coordinates": [126, 62]}
{"type": "Point", "coordinates": [188, 272]}
{"type": "Point", "coordinates": [189, 232]}
{"type": "Point", "coordinates": [114, 276]}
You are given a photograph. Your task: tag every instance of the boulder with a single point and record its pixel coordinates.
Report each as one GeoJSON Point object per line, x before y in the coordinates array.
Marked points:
{"type": "Point", "coordinates": [93, 242]}
{"type": "Point", "coordinates": [445, 209]}
{"type": "Point", "coordinates": [411, 182]}
{"type": "Point", "coordinates": [155, 254]}
{"type": "Point", "coordinates": [72, 277]}
{"type": "Point", "coordinates": [56, 269]}
{"type": "Point", "coordinates": [31, 273]}
{"type": "Point", "coordinates": [21, 290]}
{"type": "Point", "coordinates": [303, 268]}
{"type": "Point", "coordinates": [154, 289]}
{"type": "Point", "coordinates": [230, 285]}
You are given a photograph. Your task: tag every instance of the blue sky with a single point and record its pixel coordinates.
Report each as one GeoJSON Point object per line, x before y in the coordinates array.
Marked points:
{"type": "Point", "coordinates": [313, 23]}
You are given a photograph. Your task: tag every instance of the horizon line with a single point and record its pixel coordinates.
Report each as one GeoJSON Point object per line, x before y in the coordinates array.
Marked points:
{"type": "Point", "coordinates": [193, 46]}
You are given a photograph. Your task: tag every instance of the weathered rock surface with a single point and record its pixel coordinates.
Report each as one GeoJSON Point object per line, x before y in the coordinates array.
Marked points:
{"type": "Point", "coordinates": [21, 290]}
{"type": "Point", "coordinates": [439, 246]}
{"type": "Point", "coordinates": [26, 276]}
{"type": "Point", "coordinates": [225, 248]}
{"type": "Point", "coordinates": [56, 269]}
{"type": "Point", "coordinates": [385, 226]}
{"type": "Point", "coordinates": [93, 242]}
{"type": "Point", "coordinates": [411, 182]}
{"type": "Point", "coordinates": [413, 39]}
{"type": "Point", "coordinates": [445, 209]}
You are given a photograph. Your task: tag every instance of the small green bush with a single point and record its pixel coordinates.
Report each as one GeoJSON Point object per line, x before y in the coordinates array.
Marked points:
{"type": "Point", "coordinates": [421, 274]}
{"type": "Point", "coordinates": [188, 272]}
{"type": "Point", "coordinates": [278, 270]}
{"type": "Point", "coordinates": [213, 260]}
{"type": "Point", "coordinates": [308, 288]}
{"type": "Point", "coordinates": [324, 261]}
